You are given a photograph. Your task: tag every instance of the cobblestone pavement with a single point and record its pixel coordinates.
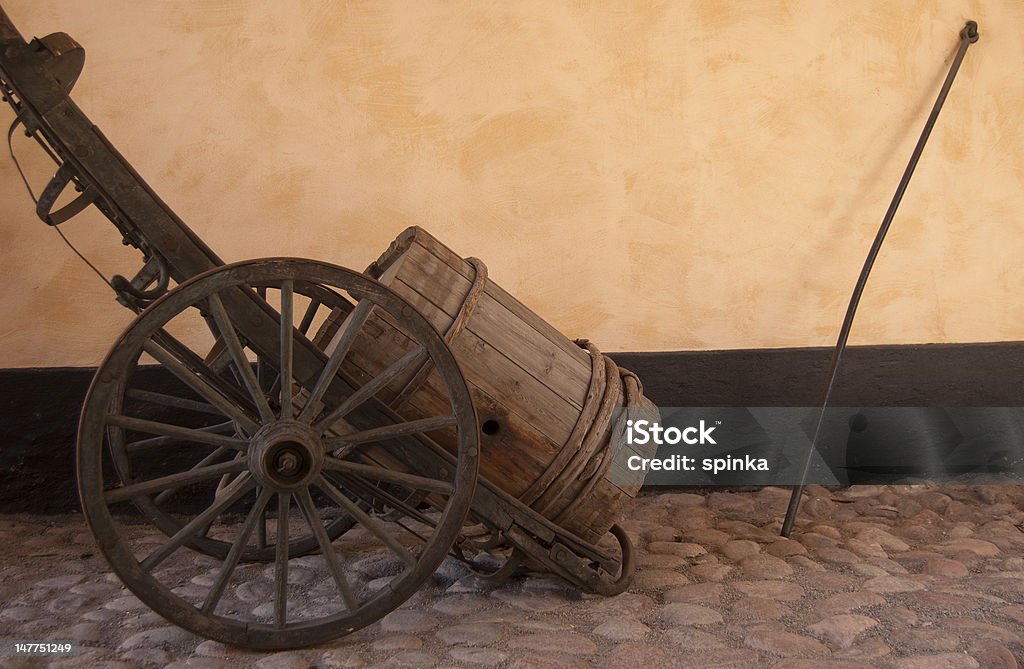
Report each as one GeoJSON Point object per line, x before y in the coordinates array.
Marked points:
{"type": "Point", "coordinates": [906, 577]}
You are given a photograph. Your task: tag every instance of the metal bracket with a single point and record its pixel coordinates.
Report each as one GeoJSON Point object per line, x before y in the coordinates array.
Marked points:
{"type": "Point", "coordinates": [136, 294]}
{"type": "Point", "coordinates": [65, 175]}
{"type": "Point", "coordinates": [68, 58]}
{"type": "Point", "coordinates": [578, 570]}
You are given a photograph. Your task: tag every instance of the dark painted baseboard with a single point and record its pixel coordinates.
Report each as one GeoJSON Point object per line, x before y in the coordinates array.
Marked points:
{"type": "Point", "coordinates": [988, 374]}
{"type": "Point", "coordinates": [39, 407]}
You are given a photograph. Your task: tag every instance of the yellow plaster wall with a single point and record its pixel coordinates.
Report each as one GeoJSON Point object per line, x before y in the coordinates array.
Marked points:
{"type": "Point", "coordinates": [653, 176]}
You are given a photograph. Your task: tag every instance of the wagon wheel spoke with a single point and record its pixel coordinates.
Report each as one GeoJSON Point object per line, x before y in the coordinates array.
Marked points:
{"type": "Point", "coordinates": [367, 521]}
{"type": "Point", "coordinates": [176, 431]}
{"type": "Point", "coordinates": [254, 516]}
{"type": "Point", "coordinates": [385, 432]}
{"type": "Point", "coordinates": [384, 474]}
{"type": "Point", "coordinates": [318, 295]}
{"type": "Point", "coordinates": [242, 485]}
{"type": "Point", "coordinates": [330, 556]}
{"type": "Point", "coordinates": [173, 481]}
{"type": "Point", "coordinates": [212, 457]}
{"type": "Point", "coordinates": [152, 442]}
{"type": "Point", "coordinates": [195, 365]}
{"type": "Point", "coordinates": [262, 368]}
{"type": "Point", "coordinates": [309, 315]}
{"type": "Point", "coordinates": [366, 392]}
{"type": "Point", "coordinates": [412, 501]}
{"type": "Point", "coordinates": [284, 502]}
{"type": "Point", "coordinates": [342, 345]}
{"type": "Point", "coordinates": [261, 530]}
{"type": "Point", "coordinates": [172, 401]}
{"type": "Point", "coordinates": [242, 365]}
{"type": "Point", "coordinates": [317, 298]}
{"type": "Point", "coordinates": [199, 385]}
{"type": "Point", "coordinates": [370, 493]}
{"type": "Point", "coordinates": [287, 348]}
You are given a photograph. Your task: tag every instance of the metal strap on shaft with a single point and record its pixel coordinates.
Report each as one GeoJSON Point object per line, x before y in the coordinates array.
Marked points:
{"type": "Point", "coordinates": [968, 36]}
{"type": "Point", "coordinates": [48, 198]}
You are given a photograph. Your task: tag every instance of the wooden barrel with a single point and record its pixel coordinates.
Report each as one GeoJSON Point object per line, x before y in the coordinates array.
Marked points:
{"type": "Point", "coordinates": [546, 404]}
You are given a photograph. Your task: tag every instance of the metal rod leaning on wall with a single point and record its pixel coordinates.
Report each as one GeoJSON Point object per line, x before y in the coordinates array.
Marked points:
{"type": "Point", "coordinates": [968, 36]}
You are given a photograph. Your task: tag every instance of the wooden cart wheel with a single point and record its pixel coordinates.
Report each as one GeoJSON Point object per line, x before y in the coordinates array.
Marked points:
{"type": "Point", "coordinates": [318, 306]}
{"type": "Point", "coordinates": [278, 462]}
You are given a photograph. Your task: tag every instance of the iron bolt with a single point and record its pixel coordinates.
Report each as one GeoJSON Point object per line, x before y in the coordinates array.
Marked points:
{"type": "Point", "coordinates": [287, 463]}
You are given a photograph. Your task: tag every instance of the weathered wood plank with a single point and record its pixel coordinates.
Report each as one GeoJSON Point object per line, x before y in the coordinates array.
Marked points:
{"type": "Point", "coordinates": [547, 361]}
{"type": "Point", "coordinates": [499, 376]}
{"type": "Point", "coordinates": [518, 309]}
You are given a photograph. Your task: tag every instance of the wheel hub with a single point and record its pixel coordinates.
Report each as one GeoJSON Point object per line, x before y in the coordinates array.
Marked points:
{"type": "Point", "coordinates": [285, 455]}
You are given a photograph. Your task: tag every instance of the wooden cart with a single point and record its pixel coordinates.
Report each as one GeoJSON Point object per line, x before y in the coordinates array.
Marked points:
{"type": "Point", "coordinates": [280, 451]}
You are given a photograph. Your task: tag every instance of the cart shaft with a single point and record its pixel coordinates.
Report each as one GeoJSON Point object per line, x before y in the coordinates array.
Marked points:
{"type": "Point", "coordinates": [36, 78]}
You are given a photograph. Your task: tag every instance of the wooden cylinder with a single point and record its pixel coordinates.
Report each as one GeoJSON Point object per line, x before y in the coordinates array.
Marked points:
{"type": "Point", "coordinates": [545, 404]}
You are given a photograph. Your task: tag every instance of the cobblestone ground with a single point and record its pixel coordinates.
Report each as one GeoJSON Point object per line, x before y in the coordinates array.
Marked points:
{"type": "Point", "coordinates": [906, 577]}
